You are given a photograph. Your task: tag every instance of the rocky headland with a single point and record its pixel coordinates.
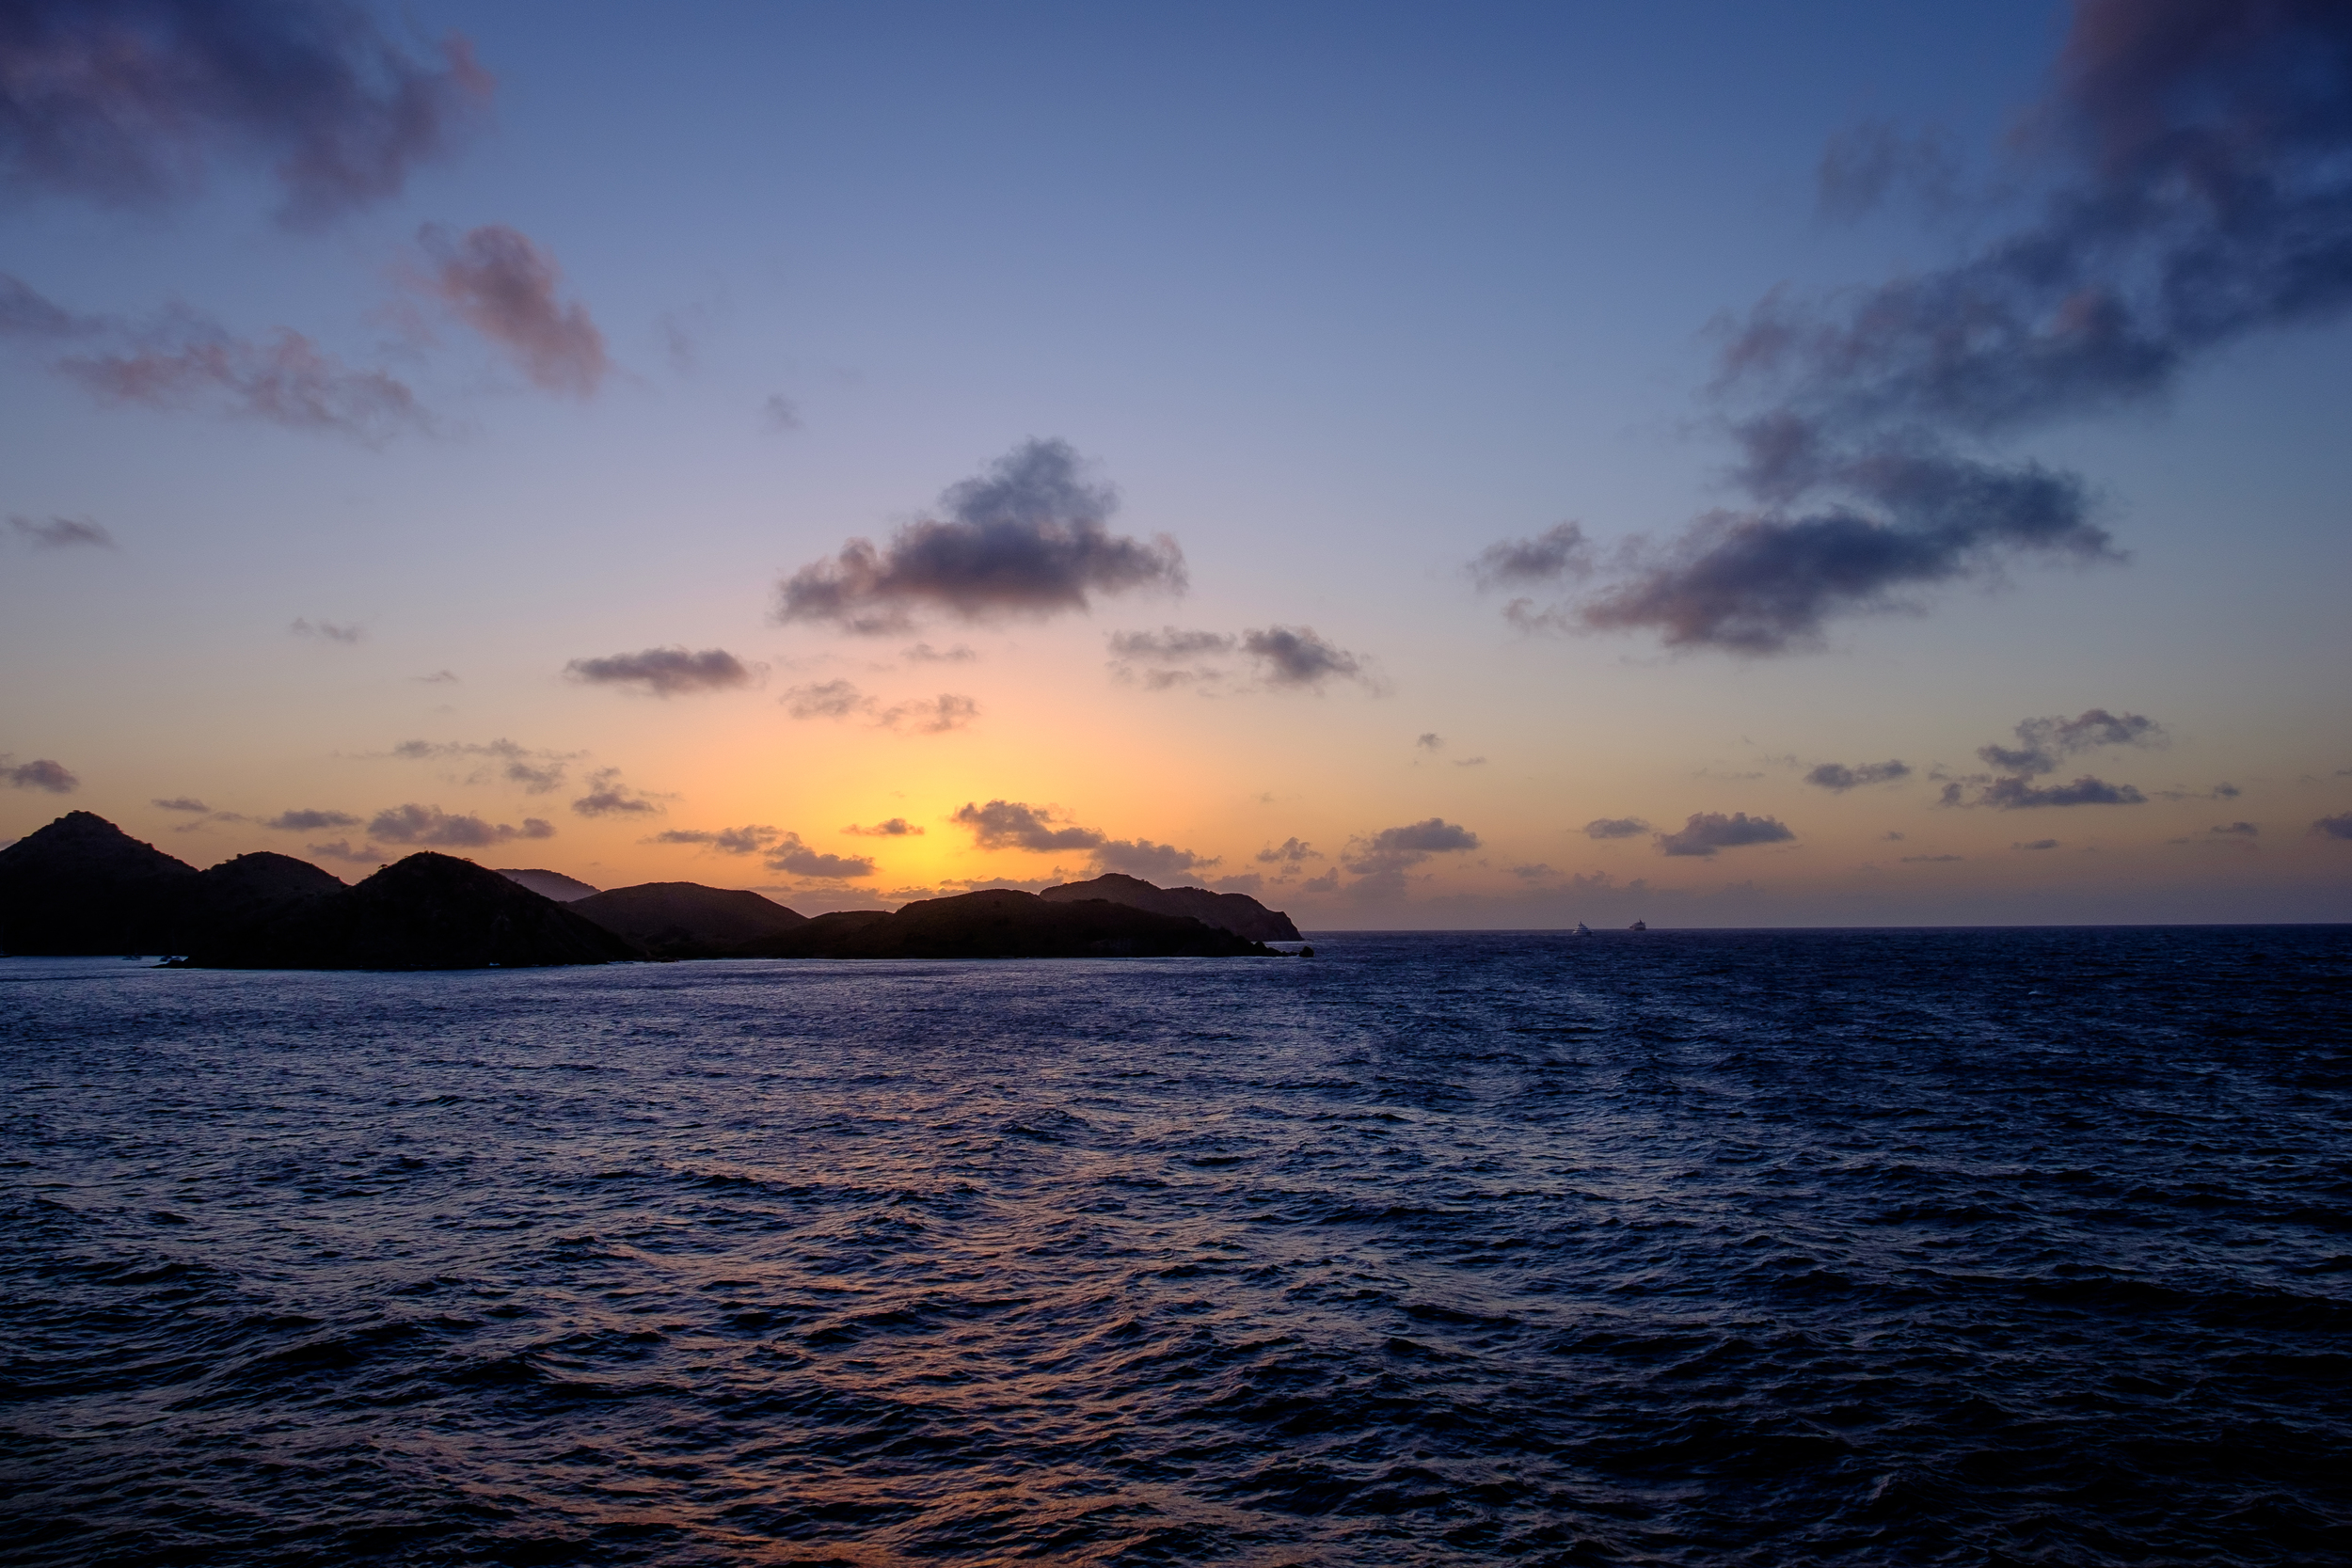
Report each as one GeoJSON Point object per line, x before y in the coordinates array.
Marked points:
{"type": "Point", "coordinates": [1236, 913]}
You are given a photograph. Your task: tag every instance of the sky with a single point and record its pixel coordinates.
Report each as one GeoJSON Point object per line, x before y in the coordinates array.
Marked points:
{"type": "Point", "coordinates": [1723, 465]}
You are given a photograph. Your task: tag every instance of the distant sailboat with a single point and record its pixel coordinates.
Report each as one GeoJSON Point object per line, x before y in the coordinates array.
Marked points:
{"type": "Point", "coordinates": [1639, 926]}
{"type": "Point", "coordinates": [1583, 930]}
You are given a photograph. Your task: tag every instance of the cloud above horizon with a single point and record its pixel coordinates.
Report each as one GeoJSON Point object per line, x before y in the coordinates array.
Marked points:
{"type": "Point", "coordinates": [182, 359]}
{"type": "Point", "coordinates": [41, 773]}
{"type": "Point", "coordinates": [62, 534]}
{"type": "Point", "coordinates": [665, 672]}
{"type": "Point", "coordinates": [430, 827]}
{"type": "Point", "coordinates": [2192, 171]}
{"type": "Point", "coordinates": [1616, 827]}
{"type": "Point", "coordinates": [1026, 539]}
{"type": "Point", "coordinates": [1560, 552]}
{"type": "Point", "coordinates": [838, 698]}
{"type": "Point", "coordinates": [1282, 658]}
{"type": "Point", "coordinates": [129, 100]}
{"type": "Point", "coordinates": [307, 821]}
{"type": "Point", "coordinates": [1015, 825]}
{"type": "Point", "coordinates": [779, 851]}
{"type": "Point", "coordinates": [1381, 859]}
{"type": "Point", "coordinates": [2042, 746]}
{"type": "Point", "coordinates": [1838, 778]}
{"type": "Point", "coordinates": [503, 286]}
{"type": "Point", "coordinates": [538, 773]}
{"type": "Point", "coordinates": [1709, 830]}
{"type": "Point", "coordinates": [609, 797]}
{"type": "Point", "coordinates": [327, 630]}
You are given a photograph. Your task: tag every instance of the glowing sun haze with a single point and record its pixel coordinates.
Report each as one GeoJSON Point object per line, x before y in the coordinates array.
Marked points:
{"type": "Point", "coordinates": [1721, 465]}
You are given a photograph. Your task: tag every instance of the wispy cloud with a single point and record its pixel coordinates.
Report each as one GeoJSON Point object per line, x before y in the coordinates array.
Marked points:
{"type": "Point", "coordinates": [309, 821]}
{"type": "Point", "coordinates": [497, 282]}
{"type": "Point", "coordinates": [432, 828]}
{"type": "Point", "coordinates": [129, 99]}
{"type": "Point", "coordinates": [327, 630]}
{"type": "Point", "coordinates": [1838, 778]}
{"type": "Point", "coordinates": [1280, 658]}
{"type": "Point", "coordinates": [609, 797]}
{"type": "Point", "coordinates": [839, 699]}
{"type": "Point", "coordinates": [179, 802]}
{"type": "Point", "coordinates": [748, 840]}
{"type": "Point", "coordinates": [833, 699]}
{"type": "Point", "coordinates": [2339, 826]}
{"type": "Point", "coordinates": [2042, 746]}
{"type": "Point", "coordinates": [930, 715]}
{"type": "Point", "coordinates": [779, 851]}
{"type": "Point", "coordinates": [62, 534]}
{"type": "Point", "coordinates": [1289, 854]}
{"type": "Point", "coordinates": [538, 773]}
{"type": "Point", "coordinates": [664, 671]}
{"type": "Point", "coordinates": [897, 827]}
{"type": "Point", "coordinates": [1616, 827]}
{"type": "Point", "coordinates": [1028, 539]}
{"type": "Point", "coordinates": [1558, 552]}
{"type": "Point", "coordinates": [186, 361]}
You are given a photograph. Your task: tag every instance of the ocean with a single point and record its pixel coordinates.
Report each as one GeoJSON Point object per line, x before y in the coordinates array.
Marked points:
{"type": "Point", "coordinates": [1969, 1247]}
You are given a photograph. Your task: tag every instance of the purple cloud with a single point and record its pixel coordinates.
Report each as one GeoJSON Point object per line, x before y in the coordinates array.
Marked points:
{"type": "Point", "coordinates": [41, 773]}
{"type": "Point", "coordinates": [1028, 539]}
{"type": "Point", "coordinates": [1838, 778]}
{"type": "Point", "coordinates": [1013, 825]}
{"type": "Point", "coordinates": [62, 534]}
{"type": "Point", "coordinates": [497, 282]}
{"type": "Point", "coordinates": [432, 828]}
{"type": "Point", "coordinates": [1709, 830]}
{"type": "Point", "coordinates": [128, 100]}
{"type": "Point", "coordinates": [664, 671]}
{"type": "Point", "coordinates": [2196, 188]}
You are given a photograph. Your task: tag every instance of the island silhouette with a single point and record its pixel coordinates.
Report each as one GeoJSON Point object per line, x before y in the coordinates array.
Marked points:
{"type": "Point", "coordinates": [82, 885]}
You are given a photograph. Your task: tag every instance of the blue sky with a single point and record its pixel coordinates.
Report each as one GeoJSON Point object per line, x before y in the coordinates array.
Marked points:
{"type": "Point", "coordinates": [1335, 298]}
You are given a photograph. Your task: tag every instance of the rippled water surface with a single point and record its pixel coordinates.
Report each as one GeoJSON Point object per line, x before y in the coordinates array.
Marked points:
{"type": "Point", "coordinates": [1772, 1248]}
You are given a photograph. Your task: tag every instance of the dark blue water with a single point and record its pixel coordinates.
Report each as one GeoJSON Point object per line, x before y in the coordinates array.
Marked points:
{"type": "Point", "coordinates": [1772, 1248]}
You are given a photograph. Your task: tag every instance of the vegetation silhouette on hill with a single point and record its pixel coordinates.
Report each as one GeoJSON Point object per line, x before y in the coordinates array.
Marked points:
{"type": "Point", "coordinates": [686, 919]}
{"type": "Point", "coordinates": [1236, 913]}
{"type": "Point", "coordinates": [1003, 922]}
{"type": "Point", "coordinates": [81, 885]}
{"type": "Point", "coordinates": [425, 911]}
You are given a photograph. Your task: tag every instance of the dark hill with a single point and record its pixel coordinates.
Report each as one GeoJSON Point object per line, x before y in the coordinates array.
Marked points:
{"type": "Point", "coordinates": [216, 902]}
{"type": "Point", "coordinates": [426, 911]}
{"type": "Point", "coordinates": [83, 885]}
{"type": "Point", "coordinates": [547, 884]}
{"type": "Point", "coordinates": [1004, 923]}
{"type": "Point", "coordinates": [1236, 913]}
{"type": "Point", "coordinates": [686, 919]}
